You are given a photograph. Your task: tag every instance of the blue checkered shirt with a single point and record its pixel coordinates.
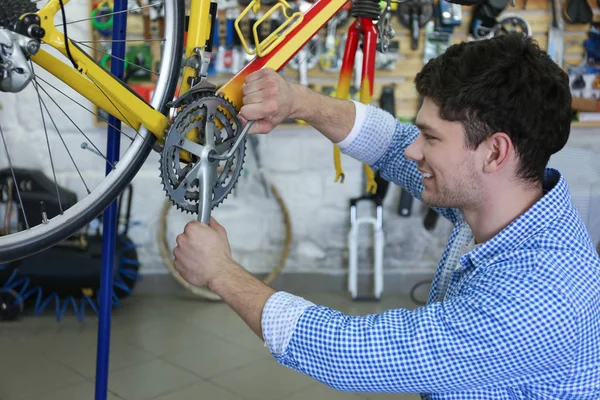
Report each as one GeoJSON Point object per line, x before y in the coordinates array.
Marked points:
{"type": "Point", "coordinates": [517, 317]}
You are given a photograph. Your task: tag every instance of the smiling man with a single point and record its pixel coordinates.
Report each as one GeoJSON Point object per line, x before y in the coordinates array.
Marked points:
{"type": "Point", "coordinates": [514, 307]}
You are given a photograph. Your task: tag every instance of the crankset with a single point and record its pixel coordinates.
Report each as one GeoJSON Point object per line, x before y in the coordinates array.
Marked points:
{"type": "Point", "coordinates": [203, 153]}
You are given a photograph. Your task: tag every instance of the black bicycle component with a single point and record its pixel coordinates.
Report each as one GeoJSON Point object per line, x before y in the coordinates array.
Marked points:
{"type": "Point", "coordinates": [578, 83]}
{"type": "Point", "coordinates": [34, 188]}
{"type": "Point", "coordinates": [430, 220]}
{"type": "Point", "coordinates": [365, 9]}
{"type": "Point", "coordinates": [10, 305]}
{"type": "Point", "coordinates": [213, 18]}
{"type": "Point", "coordinates": [30, 25]}
{"type": "Point", "coordinates": [484, 17]}
{"type": "Point", "coordinates": [387, 102]}
{"type": "Point", "coordinates": [577, 12]}
{"type": "Point", "coordinates": [414, 15]}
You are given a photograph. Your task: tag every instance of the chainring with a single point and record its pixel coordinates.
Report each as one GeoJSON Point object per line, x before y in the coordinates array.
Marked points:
{"type": "Point", "coordinates": [11, 10]}
{"type": "Point", "coordinates": [178, 179]}
{"type": "Point", "coordinates": [511, 23]}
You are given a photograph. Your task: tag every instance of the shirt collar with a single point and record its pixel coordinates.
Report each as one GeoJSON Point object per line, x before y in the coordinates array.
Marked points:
{"type": "Point", "coordinates": [555, 200]}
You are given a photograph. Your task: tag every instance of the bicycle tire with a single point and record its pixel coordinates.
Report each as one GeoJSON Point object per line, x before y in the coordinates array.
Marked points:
{"type": "Point", "coordinates": [43, 236]}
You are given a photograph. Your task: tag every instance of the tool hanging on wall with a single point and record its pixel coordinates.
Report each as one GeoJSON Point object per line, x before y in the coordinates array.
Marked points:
{"type": "Point", "coordinates": [330, 60]}
{"type": "Point", "coordinates": [230, 58]}
{"type": "Point", "coordinates": [556, 32]}
{"type": "Point", "coordinates": [364, 28]}
{"type": "Point", "coordinates": [448, 15]}
{"type": "Point", "coordinates": [309, 55]}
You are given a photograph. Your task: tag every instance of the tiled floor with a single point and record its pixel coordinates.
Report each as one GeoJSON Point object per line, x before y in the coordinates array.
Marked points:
{"type": "Point", "coordinates": [164, 347]}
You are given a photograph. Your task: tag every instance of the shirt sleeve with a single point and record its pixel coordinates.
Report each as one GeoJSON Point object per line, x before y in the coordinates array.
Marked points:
{"type": "Point", "coordinates": [279, 318]}
{"type": "Point", "coordinates": [379, 140]}
{"type": "Point", "coordinates": [496, 333]}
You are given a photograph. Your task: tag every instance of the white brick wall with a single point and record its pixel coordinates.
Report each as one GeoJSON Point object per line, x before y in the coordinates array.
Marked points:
{"type": "Point", "coordinates": [297, 160]}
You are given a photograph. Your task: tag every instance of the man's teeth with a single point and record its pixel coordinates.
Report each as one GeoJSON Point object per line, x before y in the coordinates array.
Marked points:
{"type": "Point", "coordinates": [427, 175]}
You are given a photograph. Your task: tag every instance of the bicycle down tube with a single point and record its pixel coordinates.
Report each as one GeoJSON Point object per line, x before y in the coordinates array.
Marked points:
{"type": "Point", "coordinates": [92, 81]}
{"type": "Point", "coordinates": [105, 91]}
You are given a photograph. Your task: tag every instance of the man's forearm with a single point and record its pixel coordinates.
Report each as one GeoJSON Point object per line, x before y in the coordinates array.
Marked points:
{"type": "Point", "coordinates": [245, 294]}
{"type": "Point", "coordinates": [332, 117]}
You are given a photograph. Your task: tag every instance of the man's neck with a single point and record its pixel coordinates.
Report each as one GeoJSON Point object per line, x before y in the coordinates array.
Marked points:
{"type": "Point", "coordinates": [500, 209]}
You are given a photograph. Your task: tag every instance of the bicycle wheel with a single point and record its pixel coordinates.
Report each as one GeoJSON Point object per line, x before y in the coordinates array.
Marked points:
{"type": "Point", "coordinates": [60, 144]}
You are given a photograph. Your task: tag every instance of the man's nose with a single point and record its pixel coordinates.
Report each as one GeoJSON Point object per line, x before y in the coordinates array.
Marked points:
{"type": "Point", "coordinates": [414, 151]}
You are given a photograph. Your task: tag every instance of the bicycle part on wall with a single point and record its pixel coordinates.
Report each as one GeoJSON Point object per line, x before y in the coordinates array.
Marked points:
{"type": "Point", "coordinates": [414, 15]}
{"type": "Point", "coordinates": [512, 23]}
{"type": "Point", "coordinates": [484, 17]}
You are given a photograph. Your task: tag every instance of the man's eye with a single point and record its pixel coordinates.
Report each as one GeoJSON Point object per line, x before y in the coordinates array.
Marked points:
{"type": "Point", "coordinates": [428, 137]}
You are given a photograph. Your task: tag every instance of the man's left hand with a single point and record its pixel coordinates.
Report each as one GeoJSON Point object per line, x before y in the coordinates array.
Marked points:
{"type": "Point", "coordinates": [202, 252]}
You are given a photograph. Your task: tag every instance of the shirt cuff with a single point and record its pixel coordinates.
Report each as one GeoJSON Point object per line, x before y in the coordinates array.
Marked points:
{"type": "Point", "coordinates": [279, 318]}
{"type": "Point", "coordinates": [359, 120]}
{"type": "Point", "coordinates": [375, 134]}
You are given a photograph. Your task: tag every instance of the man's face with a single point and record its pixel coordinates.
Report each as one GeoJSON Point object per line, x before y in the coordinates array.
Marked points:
{"type": "Point", "coordinates": [450, 176]}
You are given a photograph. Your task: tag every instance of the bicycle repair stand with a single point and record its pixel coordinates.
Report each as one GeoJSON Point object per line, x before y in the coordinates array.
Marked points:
{"type": "Point", "coordinates": [109, 233]}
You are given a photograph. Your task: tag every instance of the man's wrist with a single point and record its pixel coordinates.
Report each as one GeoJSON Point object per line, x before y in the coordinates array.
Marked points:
{"type": "Point", "coordinates": [299, 110]}
{"type": "Point", "coordinates": [225, 274]}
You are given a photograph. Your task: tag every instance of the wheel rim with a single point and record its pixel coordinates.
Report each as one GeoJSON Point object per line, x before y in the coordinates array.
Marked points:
{"type": "Point", "coordinates": [37, 238]}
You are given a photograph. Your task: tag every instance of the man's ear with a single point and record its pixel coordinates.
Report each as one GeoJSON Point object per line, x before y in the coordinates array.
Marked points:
{"type": "Point", "coordinates": [498, 149]}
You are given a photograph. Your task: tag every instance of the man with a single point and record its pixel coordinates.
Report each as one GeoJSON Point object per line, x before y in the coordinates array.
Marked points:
{"type": "Point", "coordinates": [514, 308]}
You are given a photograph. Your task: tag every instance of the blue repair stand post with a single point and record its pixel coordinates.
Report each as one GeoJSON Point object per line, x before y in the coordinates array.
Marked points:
{"type": "Point", "coordinates": [109, 234]}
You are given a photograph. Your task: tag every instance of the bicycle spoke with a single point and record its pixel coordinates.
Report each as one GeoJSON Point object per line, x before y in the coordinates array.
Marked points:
{"type": "Point", "coordinates": [14, 177]}
{"type": "Point", "coordinates": [61, 137]}
{"type": "Point", "coordinates": [119, 41]}
{"type": "Point", "coordinates": [82, 106]}
{"type": "Point", "coordinates": [115, 13]}
{"type": "Point", "coordinates": [48, 142]}
{"type": "Point", "coordinates": [77, 127]}
{"type": "Point", "coordinates": [116, 108]}
{"type": "Point", "coordinates": [116, 58]}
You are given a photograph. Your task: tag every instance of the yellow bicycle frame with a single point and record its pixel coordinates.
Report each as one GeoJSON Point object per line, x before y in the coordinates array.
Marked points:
{"type": "Point", "coordinates": [110, 94]}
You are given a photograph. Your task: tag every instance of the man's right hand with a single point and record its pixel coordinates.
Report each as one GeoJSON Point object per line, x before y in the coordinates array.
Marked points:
{"type": "Point", "coordinates": [268, 100]}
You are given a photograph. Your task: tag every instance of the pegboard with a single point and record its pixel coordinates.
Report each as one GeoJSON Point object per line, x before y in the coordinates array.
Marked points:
{"type": "Point", "coordinates": [408, 62]}
{"type": "Point", "coordinates": [402, 64]}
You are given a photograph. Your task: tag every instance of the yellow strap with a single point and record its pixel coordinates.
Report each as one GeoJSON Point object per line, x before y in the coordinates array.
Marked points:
{"type": "Point", "coordinates": [371, 184]}
{"type": "Point", "coordinates": [337, 159]}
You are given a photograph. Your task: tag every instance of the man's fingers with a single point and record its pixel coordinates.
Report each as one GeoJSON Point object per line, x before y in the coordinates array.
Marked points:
{"type": "Point", "coordinates": [253, 98]}
{"type": "Point", "coordinates": [216, 226]}
{"type": "Point", "coordinates": [252, 112]}
{"type": "Point", "coordinates": [261, 126]}
{"type": "Point", "coordinates": [256, 75]}
{"type": "Point", "coordinates": [254, 86]}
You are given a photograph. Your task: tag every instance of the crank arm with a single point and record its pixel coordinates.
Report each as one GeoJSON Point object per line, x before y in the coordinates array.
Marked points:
{"type": "Point", "coordinates": [207, 173]}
